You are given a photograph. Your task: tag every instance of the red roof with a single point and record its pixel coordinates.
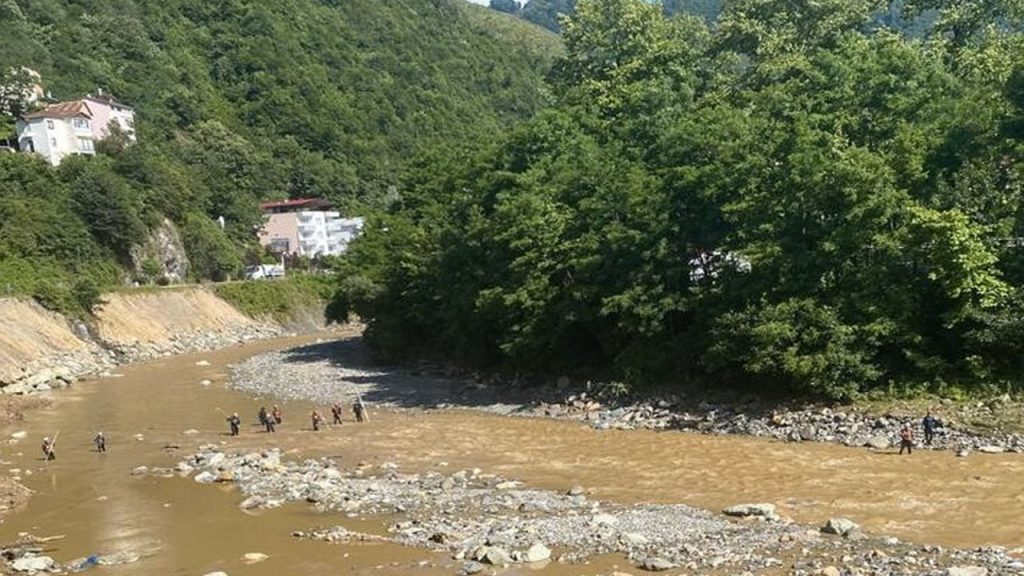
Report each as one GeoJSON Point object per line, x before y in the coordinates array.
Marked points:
{"type": "Point", "coordinates": [297, 203]}
{"type": "Point", "coordinates": [62, 110]}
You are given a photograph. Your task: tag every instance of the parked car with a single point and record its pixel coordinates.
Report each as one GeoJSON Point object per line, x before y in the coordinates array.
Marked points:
{"type": "Point", "coordinates": [262, 271]}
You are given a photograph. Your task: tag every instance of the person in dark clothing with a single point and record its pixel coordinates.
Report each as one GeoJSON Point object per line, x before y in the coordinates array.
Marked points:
{"type": "Point", "coordinates": [235, 422]}
{"type": "Point", "coordinates": [906, 439]}
{"type": "Point", "coordinates": [317, 419]}
{"type": "Point", "coordinates": [49, 451]}
{"type": "Point", "coordinates": [336, 412]}
{"type": "Point", "coordinates": [929, 424]}
{"type": "Point", "coordinates": [100, 441]}
{"type": "Point", "coordinates": [359, 410]}
{"type": "Point", "coordinates": [263, 416]}
{"type": "Point", "coordinates": [276, 414]}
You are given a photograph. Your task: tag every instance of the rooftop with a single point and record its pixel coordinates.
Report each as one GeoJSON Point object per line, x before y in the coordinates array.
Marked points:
{"type": "Point", "coordinates": [295, 205]}
{"type": "Point", "coordinates": [62, 110]}
{"type": "Point", "coordinates": [107, 99]}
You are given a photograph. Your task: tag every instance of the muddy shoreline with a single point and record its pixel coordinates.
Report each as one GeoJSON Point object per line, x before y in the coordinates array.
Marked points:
{"type": "Point", "coordinates": [339, 371]}
{"type": "Point", "coordinates": [521, 504]}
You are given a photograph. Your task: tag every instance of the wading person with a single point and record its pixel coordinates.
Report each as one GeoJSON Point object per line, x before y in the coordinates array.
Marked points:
{"type": "Point", "coordinates": [359, 410]}
{"type": "Point", "coordinates": [235, 422]}
{"type": "Point", "coordinates": [276, 414]}
{"type": "Point", "coordinates": [263, 416]}
{"type": "Point", "coordinates": [929, 424]}
{"type": "Point", "coordinates": [336, 413]}
{"type": "Point", "coordinates": [317, 419]}
{"type": "Point", "coordinates": [906, 439]}
{"type": "Point", "coordinates": [100, 441]}
{"type": "Point", "coordinates": [49, 450]}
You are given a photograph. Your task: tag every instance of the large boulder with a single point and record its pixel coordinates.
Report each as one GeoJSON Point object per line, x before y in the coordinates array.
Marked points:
{"type": "Point", "coordinates": [840, 526]}
{"type": "Point", "coordinates": [33, 564]}
{"type": "Point", "coordinates": [967, 571]}
{"type": "Point", "coordinates": [656, 564]}
{"type": "Point", "coordinates": [878, 442]}
{"type": "Point", "coordinates": [537, 553]}
{"type": "Point", "coordinates": [745, 510]}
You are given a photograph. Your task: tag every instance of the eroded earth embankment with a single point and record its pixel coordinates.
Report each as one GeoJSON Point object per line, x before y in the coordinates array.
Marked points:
{"type": "Point", "coordinates": [41, 350]}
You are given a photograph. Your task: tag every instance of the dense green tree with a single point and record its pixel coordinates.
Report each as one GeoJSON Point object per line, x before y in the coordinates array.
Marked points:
{"type": "Point", "coordinates": [797, 200]}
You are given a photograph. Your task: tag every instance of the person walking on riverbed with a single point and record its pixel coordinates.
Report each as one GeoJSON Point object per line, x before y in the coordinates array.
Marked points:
{"type": "Point", "coordinates": [906, 439]}
{"type": "Point", "coordinates": [101, 442]}
{"type": "Point", "coordinates": [929, 424]}
{"type": "Point", "coordinates": [276, 414]}
{"type": "Point", "coordinates": [336, 413]}
{"type": "Point", "coordinates": [235, 422]}
{"type": "Point", "coordinates": [317, 420]}
{"type": "Point", "coordinates": [263, 416]}
{"type": "Point", "coordinates": [49, 450]}
{"type": "Point", "coordinates": [359, 409]}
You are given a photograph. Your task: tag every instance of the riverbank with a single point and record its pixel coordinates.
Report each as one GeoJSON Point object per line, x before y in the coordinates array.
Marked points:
{"type": "Point", "coordinates": [41, 350]}
{"type": "Point", "coordinates": [464, 476]}
{"type": "Point", "coordinates": [482, 520]}
{"type": "Point", "coordinates": [335, 371]}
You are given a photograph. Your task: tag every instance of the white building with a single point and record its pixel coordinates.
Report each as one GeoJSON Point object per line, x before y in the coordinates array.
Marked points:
{"type": "Point", "coordinates": [67, 128]}
{"type": "Point", "coordinates": [57, 131]}
{"type": "Point", "coordinates": [292, 227]}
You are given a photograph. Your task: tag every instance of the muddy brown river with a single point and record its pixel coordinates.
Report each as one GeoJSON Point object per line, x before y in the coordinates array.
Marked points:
{"type": "Point", "coordinates": [180, 527]}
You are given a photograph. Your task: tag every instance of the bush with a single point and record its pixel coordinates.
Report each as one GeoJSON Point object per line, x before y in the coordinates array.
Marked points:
{"type": "Point", "coordinates": [796, 342]}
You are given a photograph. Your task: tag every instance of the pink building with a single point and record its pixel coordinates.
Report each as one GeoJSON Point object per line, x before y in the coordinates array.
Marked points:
{"type": "Point", "coordinates": [305, 227]}
{"type": "Point", "coordinates": [107, 111]}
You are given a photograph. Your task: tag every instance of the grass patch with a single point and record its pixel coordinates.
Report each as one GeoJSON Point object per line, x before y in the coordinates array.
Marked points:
{"type": "Point", "coordinates": [279, 299]}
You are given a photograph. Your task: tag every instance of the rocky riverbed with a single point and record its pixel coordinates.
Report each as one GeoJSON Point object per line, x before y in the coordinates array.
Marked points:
{"type": "Point", "coordinates": [338, 371]}
{"type": "Point", "coordinates": [58, 371]}
{"type": "Point", "coordinates": [481, 519]}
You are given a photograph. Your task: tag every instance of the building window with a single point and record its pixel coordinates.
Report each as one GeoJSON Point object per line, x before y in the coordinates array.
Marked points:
{"type": "Point", "coordinates": [49, 124]}
{"type": "Point", "coordinates": [85, 145]}
{"type": "Point", "coordinates": [53, 142]}
{"type": "Point", "coordinates": [80, 123]}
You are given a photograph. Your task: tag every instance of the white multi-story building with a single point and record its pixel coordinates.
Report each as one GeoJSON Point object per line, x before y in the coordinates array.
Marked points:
{"type": "Point", "coordinates": [67, 128]}
{"type": "Point", "coordinates": [57, 131]}
{"type": "Point", "coordinates": [306, 228]}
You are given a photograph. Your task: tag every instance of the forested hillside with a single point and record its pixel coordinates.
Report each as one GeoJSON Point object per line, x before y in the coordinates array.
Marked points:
{"type": "Point", "coordinates": [238, 101]}
{"type": "Point", "coordinates": [546, 13]}
{"type": "Point", "coordinates": [794, 200]}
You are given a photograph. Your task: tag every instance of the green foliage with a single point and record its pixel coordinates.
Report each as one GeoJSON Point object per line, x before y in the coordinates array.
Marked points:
{"type": "Point", "coordinates": [212, 254]}
{"type": "Point", "coordinates": [794, 201]}
{"type": "Point", "coordinates": [281, 299]}
{"type": "Point", "coordinates": [239, 102]}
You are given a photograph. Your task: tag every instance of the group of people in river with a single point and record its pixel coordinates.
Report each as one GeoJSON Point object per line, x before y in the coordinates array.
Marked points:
{"type": "Point", "coordinates": [270, 420]}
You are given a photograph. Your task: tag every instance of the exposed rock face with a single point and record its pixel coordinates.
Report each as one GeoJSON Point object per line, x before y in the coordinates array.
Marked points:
{"type": "Point", "coordinates": [163, 246]}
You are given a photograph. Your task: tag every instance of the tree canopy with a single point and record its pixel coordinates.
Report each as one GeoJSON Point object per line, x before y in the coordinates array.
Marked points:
{"type": "Point", "coordinates": [797, 199]}
{"type": "Point", "coordinates": [242, 101]}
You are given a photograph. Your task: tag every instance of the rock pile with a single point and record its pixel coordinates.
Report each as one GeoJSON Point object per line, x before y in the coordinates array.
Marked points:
{"type": "Point", "coordinates": [811, 424]}
{"type": "Point", "coordinates": [480, 524]}
{"type": "Point", "coordinates": [195, 341]}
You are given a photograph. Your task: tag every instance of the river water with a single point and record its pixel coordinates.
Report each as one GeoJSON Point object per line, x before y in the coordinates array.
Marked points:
{"type": "Point", "coordinates": [184, 528]}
